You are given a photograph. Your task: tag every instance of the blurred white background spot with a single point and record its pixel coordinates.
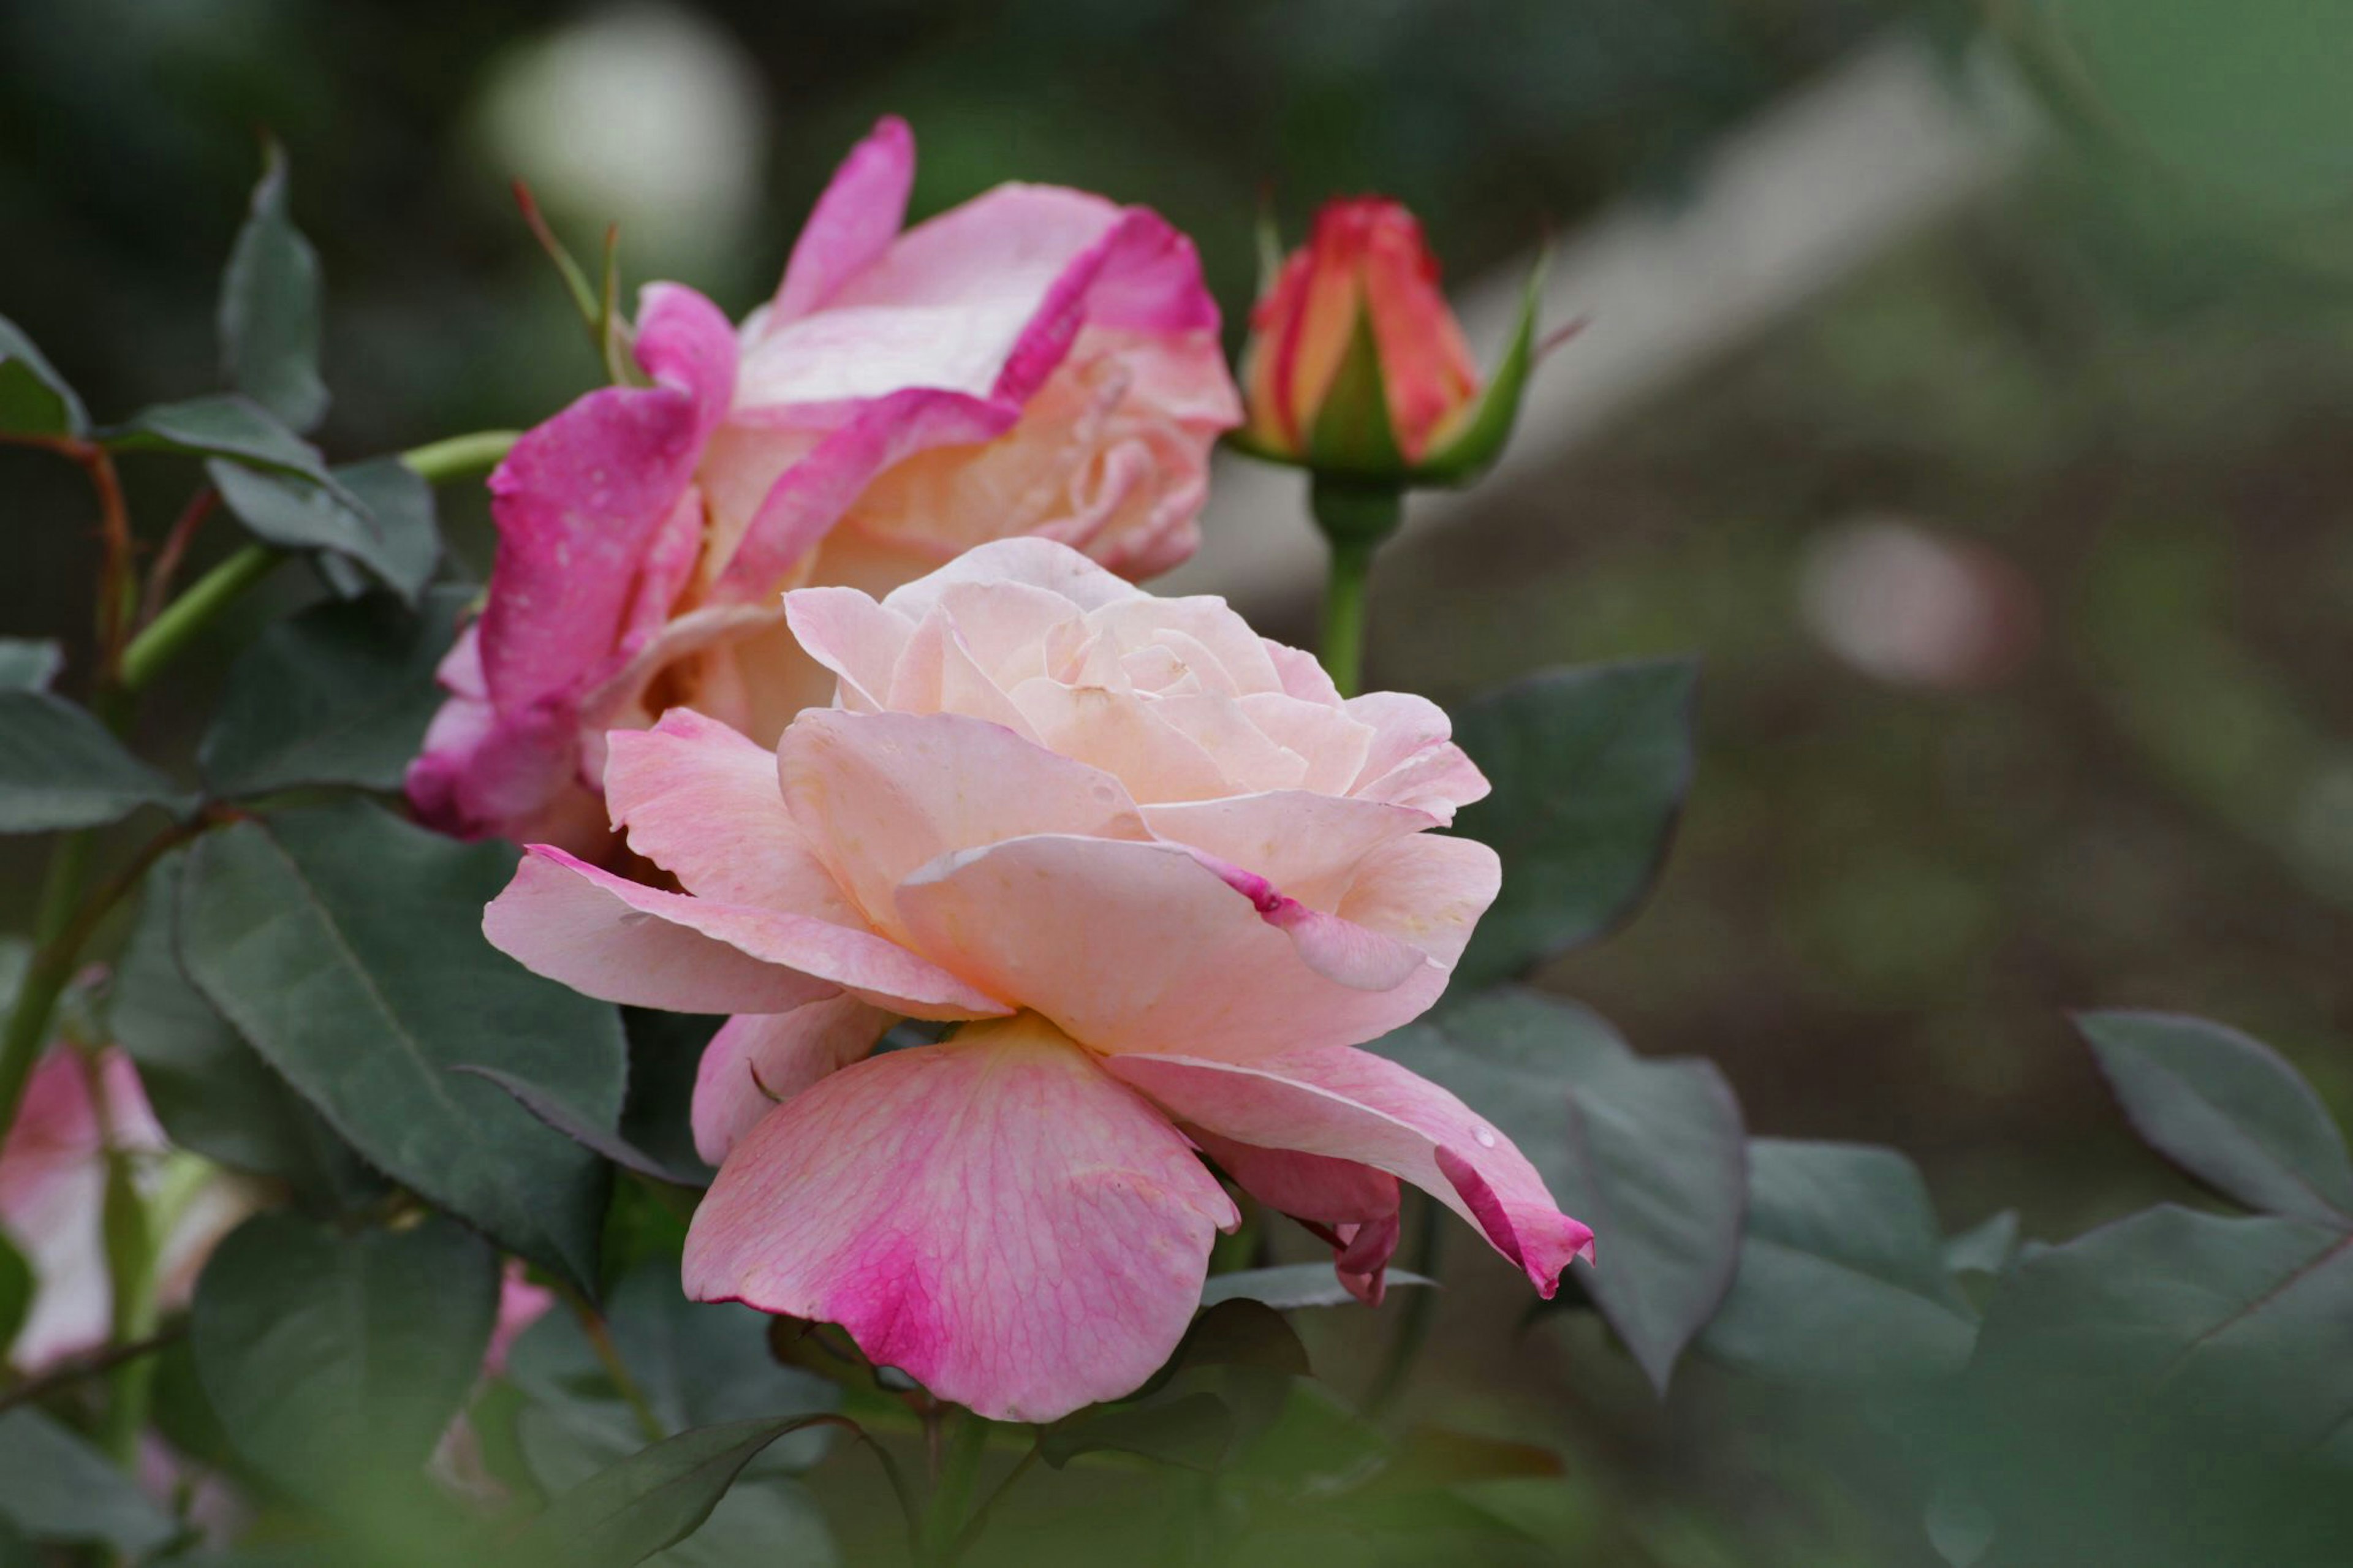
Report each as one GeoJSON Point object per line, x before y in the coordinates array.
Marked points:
{"type": "Point", "coordinates": [645, 115]}
{"type": "Point", "coordinates": [1913, 607]}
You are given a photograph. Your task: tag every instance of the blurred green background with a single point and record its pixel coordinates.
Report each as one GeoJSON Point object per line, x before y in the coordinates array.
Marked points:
{"type": "Point", "coordinates": [2019, 556]}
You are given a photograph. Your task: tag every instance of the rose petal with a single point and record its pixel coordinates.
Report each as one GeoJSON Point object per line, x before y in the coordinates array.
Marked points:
{"type": "Point", "coordinates": [1039, 563]}
{"type": "Point", "coordinates": [851, 636]}
{"type": "Point", "coordinates": [879, 795]}
{"type": "Point", "coordinates": [579, 499]}
{"type": "Point", "coordinates": [757, 1060]}
{"type": "Point", "coordinates": [1138, 947]}
{"type": "Point", "coordinates": [854, 222]}
{"type": "Point", "coordinates": [702, 802]}
{"type": "Point", "coordinates": [993, 1217]}
{"type": "Point", "coordinates": [1348, 1104]}
{"type": "Point", "coordinates": [614, 940]}
{"type": "Point", "coordinates": [1306, 844]}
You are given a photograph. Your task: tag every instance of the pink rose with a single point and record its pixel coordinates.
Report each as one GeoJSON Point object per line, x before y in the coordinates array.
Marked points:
{"type": "Point", "coordinates": [1165, 879]}
{"type": "Point", "coordinates": [1038, 361]}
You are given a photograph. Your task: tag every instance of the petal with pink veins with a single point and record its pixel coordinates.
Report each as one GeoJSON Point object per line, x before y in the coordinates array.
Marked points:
{"type": "Point", "coordinates": [1348, 1104]}
{"type": "Point", "coordinates": [993, 1217]}
{"type": "Point", "coordinates": [619, 941]}
{"type": "Point", "coordinates": [1139, 947]}
{"type": "Point", "coordinates": [757, 1060]}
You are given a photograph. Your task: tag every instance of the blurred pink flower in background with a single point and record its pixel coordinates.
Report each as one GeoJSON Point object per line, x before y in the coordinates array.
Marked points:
{"type": "Point", "coordinates": [1037, 361]}
{"type": "Point", "coordinates": [1911, 606]}
{"type": "Point", "coordinates": [1167, 879]}
{"type": "Point", "coordinates": [53, 1201]}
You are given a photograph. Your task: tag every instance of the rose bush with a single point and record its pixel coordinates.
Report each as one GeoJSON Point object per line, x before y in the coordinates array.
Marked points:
{"type": "Point", "coordinates": [1037, 361]}
{"type": "Point", "coordinates": [1165, 881]}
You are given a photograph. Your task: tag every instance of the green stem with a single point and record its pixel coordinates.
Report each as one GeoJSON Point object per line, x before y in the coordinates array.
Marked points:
{"type": "Point", "coordinates": [970, 1534]}
{"type": "Point", "coordinates": [184, 618]}
{"type": "Point", "coordinates": [179, 621]}
{"type": "Point", "coordinates": [1343, 615]}
{"type": "Point", "coordinates": [461, 457]}
{"type": "Point", "coordinates": [1356, 520]}
{"type": "Point", "coordinates": [609, 1356]}
{"type": "Point", "coordinates": [944, 1520]}
{"type": "Point", "coordinates": [132, 1244]}
{"type": "Point", "coordinates": [1420, 1306]}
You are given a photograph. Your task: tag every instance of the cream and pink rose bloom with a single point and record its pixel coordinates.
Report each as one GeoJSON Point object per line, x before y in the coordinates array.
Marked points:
{"type": "Point", "coordinates": [1164, 879]}
{"type": "Point", "coordinates": [1038, 361]}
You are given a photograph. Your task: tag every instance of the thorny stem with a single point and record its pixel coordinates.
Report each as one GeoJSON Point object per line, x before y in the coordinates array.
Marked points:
{"type": "Point", "coordinates": [1421, 1307]}
{"type": "Point", "coordinates": [952, 1487]}
{"type": "Point", "coordinates": [97, 1363]}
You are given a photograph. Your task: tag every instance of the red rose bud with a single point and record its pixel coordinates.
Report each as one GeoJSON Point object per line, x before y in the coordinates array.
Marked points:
{"type": "Point", "coordinates": [1364, 272]}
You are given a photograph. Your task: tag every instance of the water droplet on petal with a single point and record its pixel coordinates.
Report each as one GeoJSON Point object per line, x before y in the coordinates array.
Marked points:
{"type": "Point", "coordinates": [1484, 1134]}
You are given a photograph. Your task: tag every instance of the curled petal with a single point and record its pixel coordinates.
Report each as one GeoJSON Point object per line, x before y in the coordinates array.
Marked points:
{"type": "Point", "coordinates": [757, 1060]}
{"type": "Point", "coordinates": [1039, 563]}
{"type": "Point", "coordinates": [1139, 947]}
{"type": "Point", "coordinates": [616, 940]}
{"type": "Point", "coordinates": [853, 637]}
{"type": "Point", "coordinates": [702, 802]}
{"type": "Point", "coordinates": [993, 1217]}
{"type": "Point", "coordinates": [1351, 1105]}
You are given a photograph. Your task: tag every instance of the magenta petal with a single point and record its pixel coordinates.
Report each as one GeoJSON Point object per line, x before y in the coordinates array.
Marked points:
{"type": "Point", "coordinates": [993, 1217]}
{"type": "Point", "coordinates": [1348, 1104]}
{"type": "Point", "coordinates": [580, 498]}
{"type": "Point", "coordinates": [759, 1059]}
{"type": "Point", "coordinates": [854, 221]}
{"type": "Point", "coordinates": [619, 941]}
{"type": "Point", "coordinates": [809, 497]}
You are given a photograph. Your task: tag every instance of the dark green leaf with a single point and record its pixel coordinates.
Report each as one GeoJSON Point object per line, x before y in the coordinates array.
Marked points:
{"type": "Point", "coordinates": [16, 1285]}
{"type": "Point", "coordinates": [1590, 767]}
{"type": "Point", "coordinates": [1190, 1430]}
{"type": "Point", "coordinates": [1484, 432]}
{"type": "Point", "coordinates": [2247, 100]}
{"type": "Point", "coordinates": [651, 1500]}
{"type": "Point", "coordinates": [1957, 1526]}
{"type": "Point", "coordinates": [61, 768]}
{"type": "Point", "coordinates": [210, 1090]}
{"type": "Point", "coordinates": [763, 1519]}
{"type": "Point", "coordinates": [16, 1548]}
{"type": "Point", "coordinates": [1292, 1284]}
{"type": "Point", "coordinates": [301, 515]}
{"type": "Point", "coordinates": [269, 307]}
{"type": "Point", "coordinates": [2183, 1372]}
{"type": "Point", "coordinates": [221, 425]}
{"type": "Point", "coordinates": [1650, 1154]}
{"type": "Point", "coordinates": [329, 1355]}
{"type": "Point", "coordinates": [34, 398]}
{"type": "Point", "coordinates": [401, 504]}
{"type": "Point", "coordinates": [28, 666]}
{"type": "Point", "coordinates": [1841, 1272]}
{"type": "Point", "coordinates": [2228, 1109]}
{"type": "Point", "coordinates": [1352, 434]}
{"type": "Point", "coordinates": [581, 1129]}
{"type": "Point", "coordinates": [1245, 1333]}
{"type": "Point", "coordinates": [696, 1363]}
{"type": "Point", "coordinates": [346, 946]}
{"type": "Point", "coordinates": [341, 694]}
{"type": "Point", "coordinates": [55, 1487]}
{"type": "Point", "coordinates": [665, 1053]}
{"type": "Point", "coordinates": [1985, 1247]}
